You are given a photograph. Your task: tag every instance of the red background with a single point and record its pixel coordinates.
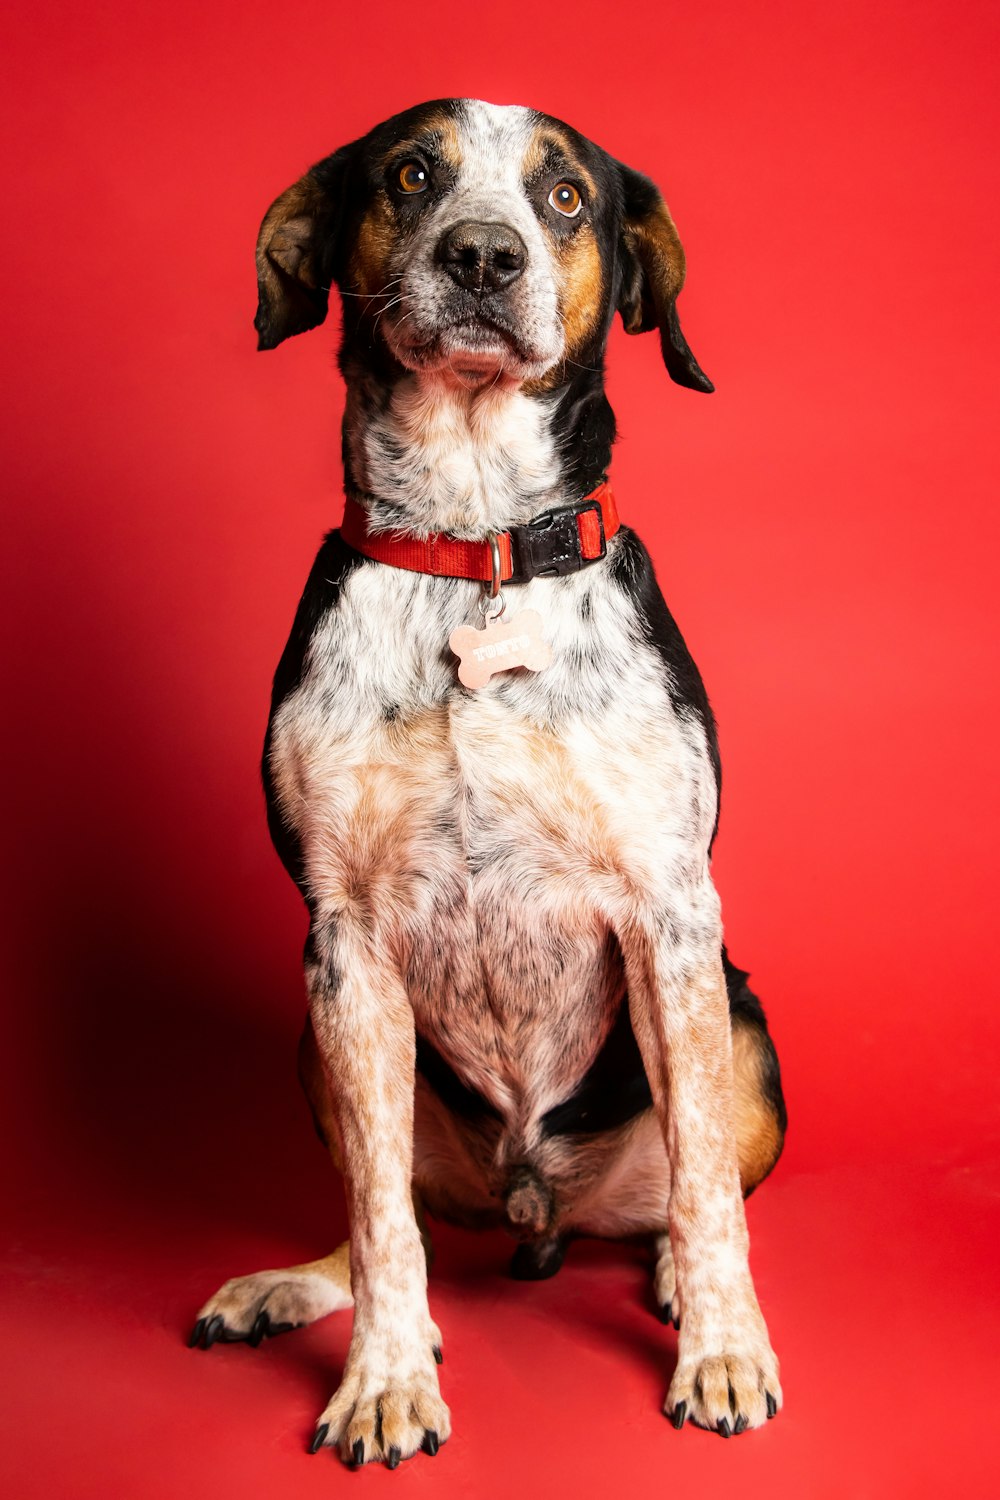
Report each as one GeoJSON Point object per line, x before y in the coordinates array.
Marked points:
{"type": "Point", "coordinates": [825, 531]}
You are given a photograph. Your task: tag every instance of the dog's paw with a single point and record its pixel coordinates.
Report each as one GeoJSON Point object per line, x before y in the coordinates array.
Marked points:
{"type": "Point", "coordinates": [726, 1393]}
{"type": "Point", "coordinates": [383, 1415]}
{"type": "Point", "coordinates": [251, 1308]}
{"type": "Point", "coordinates": [537, 1260]}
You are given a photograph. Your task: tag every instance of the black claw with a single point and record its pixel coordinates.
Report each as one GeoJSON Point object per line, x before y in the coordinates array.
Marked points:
{"type": "Point", "coordinates": [665, 1315]}
{"type": "Point", "coordinates": [677, 1324]}
{"type": "Point", "coordinates": [392, 1458]}
{"type": "Point", "coordinates": [431, 1443]}
{"type": "Point", "coordinates": [214, 1330]}
{"type": "Point", "coordinates": [260, 1330]}
{"type": "Point", "coordinates": [196, 1333]}
{"type": "Point", "coordinates": [679, 1415]}
{"type": "Point", "coordinates": [358, 1452]}
{"type": "Point", "coordinates": [276, 1328]}
{"type": "Point", "coordinates": [742, 1423]}
{"type": "Point", "coordinates": [319, 1437]}
{"type": "Point", "coordinates": [438, 1356]}
{"type": "Point", "coordinates": [722, 1426]}
{"type": "Point", "coordinates": [772, 1405]}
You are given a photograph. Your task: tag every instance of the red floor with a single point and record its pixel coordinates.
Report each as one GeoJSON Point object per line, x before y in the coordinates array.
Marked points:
{"type": "Point", "coordinates": [878, 1283]}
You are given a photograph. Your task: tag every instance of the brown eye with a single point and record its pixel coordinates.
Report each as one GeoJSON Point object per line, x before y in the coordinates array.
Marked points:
{"type": "Point", "coordinates": [565, 199]}
{"type": "Point", "coordinates": [413, 177]}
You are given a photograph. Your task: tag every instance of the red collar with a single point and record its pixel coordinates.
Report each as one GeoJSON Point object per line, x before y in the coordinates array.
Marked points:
{"type": "Point", "coordinates": [558, 541]}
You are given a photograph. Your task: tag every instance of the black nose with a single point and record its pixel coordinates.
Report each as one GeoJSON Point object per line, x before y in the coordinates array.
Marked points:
{"type": "Point", "coordinates": [482, 256]}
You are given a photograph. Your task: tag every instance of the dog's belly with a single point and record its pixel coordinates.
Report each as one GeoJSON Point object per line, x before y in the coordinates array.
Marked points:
{"type": "Point", "coordinates": [469, 843]}
{"type": "Point", "coordinates": [516, 994]}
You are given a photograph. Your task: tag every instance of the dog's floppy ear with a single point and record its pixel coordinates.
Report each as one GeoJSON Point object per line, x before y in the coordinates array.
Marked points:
{"type": "Point", "coordinates": [296, 253]}
{"type": "Point", "coordinates": [652, 274]}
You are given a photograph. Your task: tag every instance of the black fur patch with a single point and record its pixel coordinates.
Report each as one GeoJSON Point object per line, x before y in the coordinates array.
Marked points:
{"type": "Point", "coordinates": [613, 1090]}
{"type": "Point", "coordinates": [463, 1101]}
{"type": "Point", "coordinates": [583, 424]}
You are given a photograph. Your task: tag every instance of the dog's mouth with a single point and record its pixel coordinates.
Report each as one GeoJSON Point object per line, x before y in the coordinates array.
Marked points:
{"type": "Point", "coordinates": [478, 347]}
{"type": "Point", "coordinates": [481, 347]}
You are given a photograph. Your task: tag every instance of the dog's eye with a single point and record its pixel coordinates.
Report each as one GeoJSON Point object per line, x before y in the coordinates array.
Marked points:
{"type": "Point", "coordinates": [413, 177]}
{"type": "Point", "coordinates": [565, 199]}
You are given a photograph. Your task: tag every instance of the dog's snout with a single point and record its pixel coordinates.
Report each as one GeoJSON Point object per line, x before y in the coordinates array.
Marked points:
{"type": "Point", "coordinates": [482, 257]}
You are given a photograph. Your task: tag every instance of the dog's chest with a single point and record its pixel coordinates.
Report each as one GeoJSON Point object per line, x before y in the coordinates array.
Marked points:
{"type": "Point", "coordinates": [488, 838]}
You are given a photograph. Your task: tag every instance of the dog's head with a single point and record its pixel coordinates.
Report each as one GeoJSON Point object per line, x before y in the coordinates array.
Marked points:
{"type": "Point", "coordinates": [486, 241]}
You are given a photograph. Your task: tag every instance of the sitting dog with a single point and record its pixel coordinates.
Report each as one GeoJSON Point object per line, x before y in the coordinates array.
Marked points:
{"type": "Point", "coordinates": [521, 1012]}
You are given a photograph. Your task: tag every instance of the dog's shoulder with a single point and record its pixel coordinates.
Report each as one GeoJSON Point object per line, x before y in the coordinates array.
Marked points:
{"type": "Point", "coordinates": [631, 568]}
{"type": "Point", "coordinates": [334, 563]}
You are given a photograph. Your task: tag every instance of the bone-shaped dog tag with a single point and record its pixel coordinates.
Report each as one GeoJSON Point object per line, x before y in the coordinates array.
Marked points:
{"type": "Point", "coordinates": [500, 645]}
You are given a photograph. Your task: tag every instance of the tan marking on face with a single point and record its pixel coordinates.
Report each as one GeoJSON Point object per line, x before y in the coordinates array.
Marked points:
{"type": "Point", "coordinates": [758, 1137]}
{"type": "Point", "coordinates": [580, 281]}
{"type": "Point", "coordinates": [368, 268]}
{"type": "Point", "coordinates": [548, 138]}
{"type": "Point", "coordinates": [581, 284]}
{"type": "Point", "coordinates": [576, 258]}
{"type": "Point", "coordinates": [534, 157]}
{"type": "Point", "coordinates": [580, 277]}
{"type": "Point", "coordinates": [378, 231]}
{"type": "Point", "coordinates": [438, 131]}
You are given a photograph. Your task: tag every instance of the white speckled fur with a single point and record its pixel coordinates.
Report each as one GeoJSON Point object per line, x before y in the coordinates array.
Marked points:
{"type": "Point", "coordinates": [443, 457]}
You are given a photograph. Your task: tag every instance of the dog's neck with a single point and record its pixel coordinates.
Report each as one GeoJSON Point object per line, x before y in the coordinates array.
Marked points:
{"type": "Point", "coordinates": [427, 453]}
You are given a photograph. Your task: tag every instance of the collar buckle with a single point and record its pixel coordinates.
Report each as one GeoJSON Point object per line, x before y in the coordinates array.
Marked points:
{"type": "Point", "coordinates": [550, 545]}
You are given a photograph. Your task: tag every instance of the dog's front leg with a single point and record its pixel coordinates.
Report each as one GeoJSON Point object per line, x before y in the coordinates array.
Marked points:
{"type": "Point", "coordinates": [388, 1404]}
{"type": "Point", "coordinates": [727, 1374]}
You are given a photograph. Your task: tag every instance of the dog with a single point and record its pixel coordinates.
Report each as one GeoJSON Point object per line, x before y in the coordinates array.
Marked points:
{"type": "Point", "coordinates": [520, 1008]}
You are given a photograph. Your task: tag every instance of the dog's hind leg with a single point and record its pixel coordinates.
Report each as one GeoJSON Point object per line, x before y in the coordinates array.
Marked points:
{"type": "Point", "coordinates": [248, 1309]}
{"type": "Point", "coordinates": [251, 1308]}
{"type": "Point", "coordinates": [760, 1115]}
{"type": "Point", "coordinates": [665, 1280]}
